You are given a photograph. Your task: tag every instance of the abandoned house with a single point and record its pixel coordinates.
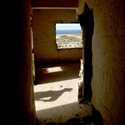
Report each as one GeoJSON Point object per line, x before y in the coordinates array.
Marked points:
{"type": "Point", "coordinates": [68, 82]}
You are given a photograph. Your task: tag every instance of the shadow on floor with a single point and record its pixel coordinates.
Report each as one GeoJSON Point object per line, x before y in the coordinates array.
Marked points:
{"type": "Point", "coordinates": [53, 95]}
{"type": "Point", "coordinates": [68, 71]}
{"type": "Point", "coordinates": [69, 113]}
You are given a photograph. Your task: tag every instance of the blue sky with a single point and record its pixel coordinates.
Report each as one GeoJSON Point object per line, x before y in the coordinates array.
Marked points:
{"type": "Point", "coordinates": [70, 26]}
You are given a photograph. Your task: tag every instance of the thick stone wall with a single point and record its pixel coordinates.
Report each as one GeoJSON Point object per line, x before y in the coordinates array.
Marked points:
{"type": "Point", "coordinates": [108, 59]}
{"type": "Point", "coordinates": [44, 34]}
{"type": "Point", "coordinates": [20, 107]}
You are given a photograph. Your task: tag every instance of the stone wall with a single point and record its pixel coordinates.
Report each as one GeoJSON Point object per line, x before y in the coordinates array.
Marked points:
{"type": "Point", "coordinates": [108, 59]}
{"type": "Point", "coordinates": [44, 34]}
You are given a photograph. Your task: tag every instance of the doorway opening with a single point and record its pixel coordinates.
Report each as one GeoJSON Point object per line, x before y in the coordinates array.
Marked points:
{"type": "Point", "coordinates": [56, 91]}
{"type": "Point", "coordinates": [57, 77]}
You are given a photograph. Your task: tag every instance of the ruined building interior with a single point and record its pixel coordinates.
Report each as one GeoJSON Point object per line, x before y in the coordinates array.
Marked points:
{"type": "Point", "coordinates": [76, 86]}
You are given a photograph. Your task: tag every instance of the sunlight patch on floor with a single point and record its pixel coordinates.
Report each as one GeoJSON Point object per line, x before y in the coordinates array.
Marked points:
{"type": "Point", "coordinates": [56, 94]}
{"type": "Point", "coordinates": [52, 69]}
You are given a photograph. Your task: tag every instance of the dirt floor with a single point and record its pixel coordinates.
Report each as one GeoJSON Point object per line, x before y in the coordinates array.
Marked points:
{"type": "Point", "coordinates": [56, 95]}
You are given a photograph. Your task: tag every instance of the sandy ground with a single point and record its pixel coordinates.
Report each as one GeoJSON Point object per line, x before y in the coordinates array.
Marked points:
{"type": "Point", "coordinates": [56, 97]}
{"type": "Point", "coordinates": [67, 43]}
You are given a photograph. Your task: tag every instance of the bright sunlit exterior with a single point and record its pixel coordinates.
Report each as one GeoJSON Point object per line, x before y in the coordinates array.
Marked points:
{"type": "Point", "coordinates": [68, 36]}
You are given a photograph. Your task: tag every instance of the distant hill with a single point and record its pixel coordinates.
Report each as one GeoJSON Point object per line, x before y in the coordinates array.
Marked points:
{"type": "Point", "coordinates": [67, 41]}
{"type": "Point", "coordinates": [68, 31]}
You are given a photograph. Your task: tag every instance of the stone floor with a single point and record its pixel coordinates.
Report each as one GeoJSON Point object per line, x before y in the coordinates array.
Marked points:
{"type": "Point", "coordinates": [56, 95]}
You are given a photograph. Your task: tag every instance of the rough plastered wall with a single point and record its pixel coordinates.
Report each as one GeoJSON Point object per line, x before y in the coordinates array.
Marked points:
{"type": "Point", "coordinates": [44, 34]}
{"type": "Point", "coordinates": [108, 48]}
{"type": "Point", "coordinates": [20, 107]}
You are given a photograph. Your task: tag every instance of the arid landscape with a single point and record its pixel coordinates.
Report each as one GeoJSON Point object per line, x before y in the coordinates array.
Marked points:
{"type": "Point", "coordinates": [67, 41]}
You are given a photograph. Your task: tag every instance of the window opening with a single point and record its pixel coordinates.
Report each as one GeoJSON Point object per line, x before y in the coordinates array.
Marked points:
{"type": "Point", "coordinates": [68, 35]}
